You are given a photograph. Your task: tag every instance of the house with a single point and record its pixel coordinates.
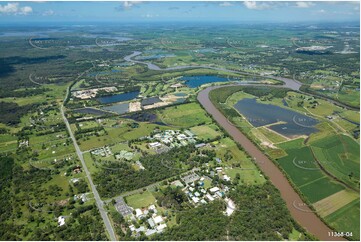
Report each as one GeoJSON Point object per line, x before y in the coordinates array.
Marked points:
{"type": "Point", "coordinates": [214, 189]}
{"type": "Point", "coordinates": [158, 219]}
{"type": "Point", "coordinates": [189, 133]}
{"type": "Point", "coordinates": [154, 145]}
{"type": "Point", "coordinates": [209, 197]}
{"type": "Point", "coordinates": [138, 213]}
{"type": "Point", "coordinates": [151, 223]}
{"type": "Point", "coordinates": [161, 227]}
{"type": "Point", "coordinates": [226, 178]}
{"type": "Point", "coordinates": [219, 169]}
{"type": "Point", "coordinates": [150, 232]}
{"type": "Point", "coordinates": [203, 201]}
{"type": "Point", "coordinates": [197, 194]}
{"type": "Point", "coordinates": [218, 160]}
{"type": "Point", "coordinates": [61, 220]}
{"type": "Point", "coordinates": [195, 199]}
{"type": "Point", "coordinates": [200, 145]}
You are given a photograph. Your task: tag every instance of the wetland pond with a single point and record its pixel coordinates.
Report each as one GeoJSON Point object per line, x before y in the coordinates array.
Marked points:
{"type": "Point", "coordinates": [118, 97]}
{"type": "Point", "coordinates": [196, 81]}
{"type": "Point", "coordinates": [289, 123]}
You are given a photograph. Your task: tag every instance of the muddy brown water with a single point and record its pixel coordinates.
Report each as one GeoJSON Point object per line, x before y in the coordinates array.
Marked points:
{"type": "Point", "coordinates": [298, 209]}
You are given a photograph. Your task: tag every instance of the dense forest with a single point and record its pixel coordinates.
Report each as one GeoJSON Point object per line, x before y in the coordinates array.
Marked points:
{"type": "Point", "coordinates": [120, 177]}
{"type": "Point", "coordinates": [260, 214]}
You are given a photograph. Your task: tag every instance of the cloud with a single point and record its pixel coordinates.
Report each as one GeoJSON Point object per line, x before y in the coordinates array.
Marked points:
{"type": "Point", "coordinates": [14, 9]}
{"type": "Point", "coordinates": [48, 13]}
{"type": "Point", "coordinates": [226, 4]}
{"type": "Point", "coordinates": [130, 4]}
{"type": "Point", "coordinates": [149, 15]}
{"type": "Point", "coordinates": [304, 4]}
{"type": "Point", "coordinates": [256, 5]}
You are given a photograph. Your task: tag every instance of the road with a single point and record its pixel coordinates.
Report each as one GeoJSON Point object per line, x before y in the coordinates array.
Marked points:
{"type": "Point", "coordinates": [99, 202]}
{"type": "Point", "coordinates": [298, 209]}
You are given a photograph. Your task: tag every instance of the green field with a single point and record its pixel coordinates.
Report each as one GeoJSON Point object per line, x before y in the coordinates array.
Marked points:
{"type": "Point", "coordinates": [347, 219]}
{"type": "Point", "coordinates": [140, 200]}
{"type": "Point", "coordinates": [186, 115]}
{"type": "Point", "coordinates": [304, 172]}
{"type": "Point", "coordinates": [339, 155]}
{"type": "Point", "coordinates": [205, 132]}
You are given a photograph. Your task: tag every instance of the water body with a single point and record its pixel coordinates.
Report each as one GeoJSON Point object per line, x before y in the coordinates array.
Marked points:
{"type": "Point", "coordinates": [304, 217]}
{"type": "Point", "coordinates": [118, 97]}
{"type": "Point", "coordinates": [91, 111]}
{"type": "Point", "coordinates": [259, 114]}
{"type": "Point", "coordinates": [118, 108]}
{"type": "Point", "coordinates": [155, 56]}
{"type": "Point", "coordinates": [180, 94]}
{"type": "Point", "coordinates": [196, 81]}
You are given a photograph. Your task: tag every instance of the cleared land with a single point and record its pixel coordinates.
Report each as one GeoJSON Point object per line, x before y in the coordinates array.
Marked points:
{"type": "Point", "coordinates": [334, 202]}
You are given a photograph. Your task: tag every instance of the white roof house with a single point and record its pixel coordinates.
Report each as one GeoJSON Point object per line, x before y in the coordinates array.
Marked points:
{"type": "Point", "coordinates": [226, 178]}
{"type": "Point", "coordinates": [161, 227]}
{"type": "Point", "coordinates": [195, 199]}
{"type": "Point", "coordinates": [210, 198]}
{"type": "Point", "coordinates": [154, 144]}
{"type": "Point", "coordinates": [61, 220]}
{"type": "Point", "coordinates": [158, 219]}
{"type": "Point", "coordinates": [214, 189]}
{"type": "Point", "coordinates": [138, 213]}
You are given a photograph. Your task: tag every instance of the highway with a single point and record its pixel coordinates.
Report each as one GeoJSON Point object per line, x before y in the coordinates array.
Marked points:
{"type": "Point", "coordinates": [99, 202]}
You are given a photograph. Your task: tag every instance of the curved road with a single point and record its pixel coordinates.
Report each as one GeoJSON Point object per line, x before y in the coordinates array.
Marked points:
{"type": "Point", "coordinates": [298, 209]}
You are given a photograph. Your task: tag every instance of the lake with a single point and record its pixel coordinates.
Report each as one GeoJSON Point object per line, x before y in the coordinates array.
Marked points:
{"type": "Point", "coordinates": [118, 97]}
{"type": "Point", "coordinates": [196, 81]}
{"type": "Point", "coordinates": [259, 114]}
{"type": "Point", "coordinates": [118, 108]}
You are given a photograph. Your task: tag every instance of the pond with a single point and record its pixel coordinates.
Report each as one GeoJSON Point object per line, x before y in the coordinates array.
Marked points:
{"type": "Point", "coordinates": [118, 108]}
{"type": "Point", "coordinates": [180, 94]}
{"type": "Point", "coordinates": [196, 81]}
{"type": "Point", "coordinates": [259, 114]}
{"type": "Point", "coordinates": [118, 97]}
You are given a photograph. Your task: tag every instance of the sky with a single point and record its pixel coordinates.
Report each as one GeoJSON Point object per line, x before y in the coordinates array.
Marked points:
{"type": "Point", "coordinates": [150, 11]}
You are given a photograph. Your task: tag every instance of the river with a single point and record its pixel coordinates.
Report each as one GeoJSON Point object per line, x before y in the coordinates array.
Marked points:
{"type": "Point", "coordinates": [298, 209]}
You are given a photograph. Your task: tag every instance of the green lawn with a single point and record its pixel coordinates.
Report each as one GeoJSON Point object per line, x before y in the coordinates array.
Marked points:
{"type": "Point", "coordinates": [186, 115]}
{"type": "Point", "coordinates": [205, 132]}
{"type": "Point", "coordinates": [140, 200]}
